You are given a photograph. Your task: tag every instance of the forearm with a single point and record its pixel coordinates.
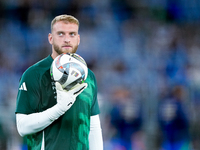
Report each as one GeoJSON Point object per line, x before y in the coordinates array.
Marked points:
{"type": "Point", "coordinates": [95, 135]}
{"type": "Point", "coordinates": [32, 123]}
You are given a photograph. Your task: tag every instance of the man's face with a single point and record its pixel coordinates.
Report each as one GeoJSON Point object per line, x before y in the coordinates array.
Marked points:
{"type": "Point", "coordinates": [64, 38]}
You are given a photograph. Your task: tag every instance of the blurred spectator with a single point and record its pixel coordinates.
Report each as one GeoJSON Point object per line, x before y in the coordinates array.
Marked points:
{"type": "Point", "coordinates": [126, 119]}
{"type": "Point", "coordinates": [174, 121]}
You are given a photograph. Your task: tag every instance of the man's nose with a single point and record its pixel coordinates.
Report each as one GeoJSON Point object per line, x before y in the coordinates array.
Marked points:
{"type": "Point", "coordinates": [67, 39]}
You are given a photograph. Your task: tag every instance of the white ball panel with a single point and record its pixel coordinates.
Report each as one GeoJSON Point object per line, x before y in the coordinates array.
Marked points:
{"type": "Point", "coordinates": [56, 73]}
{"type": "Point", "coordinates": [65, 59]}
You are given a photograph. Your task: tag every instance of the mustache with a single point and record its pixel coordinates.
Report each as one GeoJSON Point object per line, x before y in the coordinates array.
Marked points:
{"type": "Point", "coordinates": [67, 45]}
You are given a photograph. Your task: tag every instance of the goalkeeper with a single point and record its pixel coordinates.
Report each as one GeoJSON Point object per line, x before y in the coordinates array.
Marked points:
{"type": "Point", "coordinates": [49, 117]}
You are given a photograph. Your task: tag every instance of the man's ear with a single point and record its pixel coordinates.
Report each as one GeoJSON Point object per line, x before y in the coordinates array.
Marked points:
{"type": "Point", "coordinates": [79, 39]}
{"type": "Point", "coordinates": [50, 38]}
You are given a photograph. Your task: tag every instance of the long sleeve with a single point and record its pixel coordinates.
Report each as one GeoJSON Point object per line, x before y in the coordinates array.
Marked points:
{"type": "Point", "coordinates": [32, 123]}
{"type": "Point", "coordinates": [95, 135]}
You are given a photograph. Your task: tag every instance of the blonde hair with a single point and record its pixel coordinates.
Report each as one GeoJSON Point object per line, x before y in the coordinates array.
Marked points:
{"type": "Point", "coordinates": [64, 18]}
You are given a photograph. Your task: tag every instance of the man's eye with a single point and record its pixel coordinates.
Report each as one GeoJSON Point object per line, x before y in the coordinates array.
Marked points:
{"type": "Point", "coordinates": [60, 34]}
{"type": "Point", "coordinates": [72, 34]}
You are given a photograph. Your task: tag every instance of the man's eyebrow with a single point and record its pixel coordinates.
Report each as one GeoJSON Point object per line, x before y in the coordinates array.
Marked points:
{"type": "Point", "coordinates": [73, 32]}
{"type": "Point", "coordinates": [60, 32]}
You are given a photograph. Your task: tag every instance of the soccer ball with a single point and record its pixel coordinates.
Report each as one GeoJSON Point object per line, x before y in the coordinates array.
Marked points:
{"type": "Point", "coordinates": [69, 69]}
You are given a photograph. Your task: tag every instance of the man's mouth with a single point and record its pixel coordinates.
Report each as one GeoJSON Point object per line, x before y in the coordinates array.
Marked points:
{"type": "Point", "coordinates": [66, 46]}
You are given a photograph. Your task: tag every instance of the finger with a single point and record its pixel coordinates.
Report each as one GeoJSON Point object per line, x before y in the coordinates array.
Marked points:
{"type": "Point", "coordinates": [58, 86]}
{"type": "Point", "coordinates": [77, 90]}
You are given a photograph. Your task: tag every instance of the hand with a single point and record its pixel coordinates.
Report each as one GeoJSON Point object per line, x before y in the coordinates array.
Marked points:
{"type": "Point", "coordinates": [65, 99]}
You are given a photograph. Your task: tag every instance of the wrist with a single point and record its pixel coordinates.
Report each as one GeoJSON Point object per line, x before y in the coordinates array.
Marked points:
{"type": "Point", "coordinates": [55, 112]}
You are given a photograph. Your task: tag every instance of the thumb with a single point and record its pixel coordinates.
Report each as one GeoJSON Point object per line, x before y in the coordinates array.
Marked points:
{"type": "Point", "coordinates": [58, 86]}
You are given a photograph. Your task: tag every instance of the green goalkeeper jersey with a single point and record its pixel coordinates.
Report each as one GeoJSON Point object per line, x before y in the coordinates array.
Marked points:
{"type": "Point", "coordinates": [37, 93]}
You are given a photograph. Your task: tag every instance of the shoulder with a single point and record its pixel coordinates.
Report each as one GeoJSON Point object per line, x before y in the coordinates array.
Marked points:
{"type": "Point", "coordinates": [91, 74]}
{"type": "Point", "coordinates": [91, 79]}
{"type": "Point", "coordinates": [38, 68]}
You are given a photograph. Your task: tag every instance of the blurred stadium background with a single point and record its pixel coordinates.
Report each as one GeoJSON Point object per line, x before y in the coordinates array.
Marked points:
{"type": "Point", "coordinates": [146, 57]}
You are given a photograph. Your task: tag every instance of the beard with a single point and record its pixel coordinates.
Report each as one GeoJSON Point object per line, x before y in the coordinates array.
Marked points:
{"type": "Point", "coordinates": [59, 50]}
